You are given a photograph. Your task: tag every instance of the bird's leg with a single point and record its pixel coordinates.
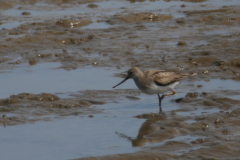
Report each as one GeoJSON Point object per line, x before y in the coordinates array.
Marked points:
{"type": "Point", "coordinates": [160, 103]}
{"type": "Point", "coordinates": [173, 92]}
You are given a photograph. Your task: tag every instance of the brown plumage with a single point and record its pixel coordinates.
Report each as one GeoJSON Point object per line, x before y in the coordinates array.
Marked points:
{"type": "Point", "coordinates": [164, 78]}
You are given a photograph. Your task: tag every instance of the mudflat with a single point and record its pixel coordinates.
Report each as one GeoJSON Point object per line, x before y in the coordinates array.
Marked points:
{"type": "Point", "coordinates": [60, 59]}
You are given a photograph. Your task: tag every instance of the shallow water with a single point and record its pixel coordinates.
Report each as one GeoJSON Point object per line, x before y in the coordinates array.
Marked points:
{"type": "Point", "coordinates": [218, 84]}
{"type": "Point", "coordinates": [48, 79]}
{"type": "Point", "coordinates": [73, 137]}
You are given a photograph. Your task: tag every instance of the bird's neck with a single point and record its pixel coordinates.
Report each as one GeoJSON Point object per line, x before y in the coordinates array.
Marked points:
{"type": "Point", "coordinates": [139, 79]}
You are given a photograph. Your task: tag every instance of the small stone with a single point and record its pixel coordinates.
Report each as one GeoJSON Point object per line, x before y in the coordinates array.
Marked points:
{"type": "Point", "coordinates": [129, 53]}
{"type": "Point", "coordinates": [197, 141]}
{"type": "Point", "coordinates": [203, 94]}
{"type": "Point", "coordinates": [225, 132]}
{"type": "Point", "coordinates": [26, 13]}
{"type": "Point", "coordinates": [132, 98]}
{"type": "Point", "coordinates": [229, 112]}
{"type": "Point", "coordinates": [204, 126]}
{"type": "Point", "coordinates": [57, 55]}
{"type": "Point", "coordinates": [217, 121]}
{"type": "Point", "coordinates": [180, 21]}
{"type": "Point", "coordinates": [87, 49]}
{"type": "Point", "coordinates": [182, 43]}
{"type": "Point", "coordinates": [92, 5]}
{"type": "Point", "coordinates": [164, 60]}
{"type": "Point", "coordinates": [232, 19]}
{"type": "Point", "coordinates": [91, 116]}
{"type": "Point", "coordinates": [192, 95]}
{"type": "Point", "coordinates": [179, 100]}
{"type": "Point", "coordinates": [206, 72]}
{"type": "Point", "coordinates": [33, 62]}
{"type": "Point", "coordinates": [183, 5]}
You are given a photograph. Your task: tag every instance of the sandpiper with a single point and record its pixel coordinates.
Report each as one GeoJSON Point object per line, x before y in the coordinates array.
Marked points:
{"type": "Point", "coordinates": [156, 81]}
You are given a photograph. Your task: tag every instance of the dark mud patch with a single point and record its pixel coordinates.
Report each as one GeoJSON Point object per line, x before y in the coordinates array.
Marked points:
{"type": "Point", "coordinates": [233, 62]}
{"type": "Point", "coordinates": [210, 100]}
{"type": "Point", "coordinates": [6, 5]}
{"type": "Point", "coordinates": [28, 107]}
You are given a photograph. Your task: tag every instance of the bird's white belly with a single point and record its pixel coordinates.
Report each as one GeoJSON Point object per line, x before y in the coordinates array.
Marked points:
{"type": "Point", "coordinates": [155, 89]}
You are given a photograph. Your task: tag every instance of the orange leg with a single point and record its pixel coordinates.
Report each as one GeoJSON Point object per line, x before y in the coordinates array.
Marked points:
{"type": "Point", "coordinates": [173, 92]}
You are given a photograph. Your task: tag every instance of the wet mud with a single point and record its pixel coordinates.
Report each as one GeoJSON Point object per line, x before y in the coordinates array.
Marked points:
{"type": "Point", "coordinates": [27, 107]}
{"type": "Point", "coordinates": [192, 36]}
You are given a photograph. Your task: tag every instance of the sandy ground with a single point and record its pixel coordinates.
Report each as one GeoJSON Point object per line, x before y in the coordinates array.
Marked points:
{"type": "Point", "coordinates": [205, 39]}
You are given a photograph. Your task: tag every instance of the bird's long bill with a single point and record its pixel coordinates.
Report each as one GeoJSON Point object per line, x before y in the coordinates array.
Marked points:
{"type": "Point", "coordinates": [122, 81]}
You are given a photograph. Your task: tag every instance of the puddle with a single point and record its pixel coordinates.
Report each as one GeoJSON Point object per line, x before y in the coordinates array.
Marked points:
{"type": "Point", "coordinates": [66, 139]}
{"type": "Point", "coordinates": [222, 2]}
{"type": "Point", "coordinates": [199, 112]}
{"type": "Point", "coordinates": [217, 84]}
{"type": "Point", "coordinates": [156, 5]}
{"type": "Point", "coordinates": [10, 25]}
{"type": "Point", "coordinates": [8, 114]}
{"type": "Point", "coordinates": [45, 78]}
{"type": "Point", "coordinates": [190, 121]}
{"type": "Point", "coordinates": [96, 25]}
{"type": "Point", "coordinates": [223, 31]}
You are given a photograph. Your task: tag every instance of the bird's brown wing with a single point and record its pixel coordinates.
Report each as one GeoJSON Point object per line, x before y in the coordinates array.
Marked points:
{"type": "Point", "coordinates": [164, 78]}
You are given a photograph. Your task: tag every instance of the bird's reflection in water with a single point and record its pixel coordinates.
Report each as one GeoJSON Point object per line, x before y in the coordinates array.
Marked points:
{"type": "Point", "coordinates": [146, 128]}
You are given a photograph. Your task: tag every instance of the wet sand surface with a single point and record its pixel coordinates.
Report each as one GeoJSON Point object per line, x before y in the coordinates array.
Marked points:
{"type": "Point", "coordinates": [60, 59]}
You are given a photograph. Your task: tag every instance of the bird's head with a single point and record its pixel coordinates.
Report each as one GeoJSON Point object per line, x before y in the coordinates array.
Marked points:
{"type": "Point", "coordinates": [133, 73]}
